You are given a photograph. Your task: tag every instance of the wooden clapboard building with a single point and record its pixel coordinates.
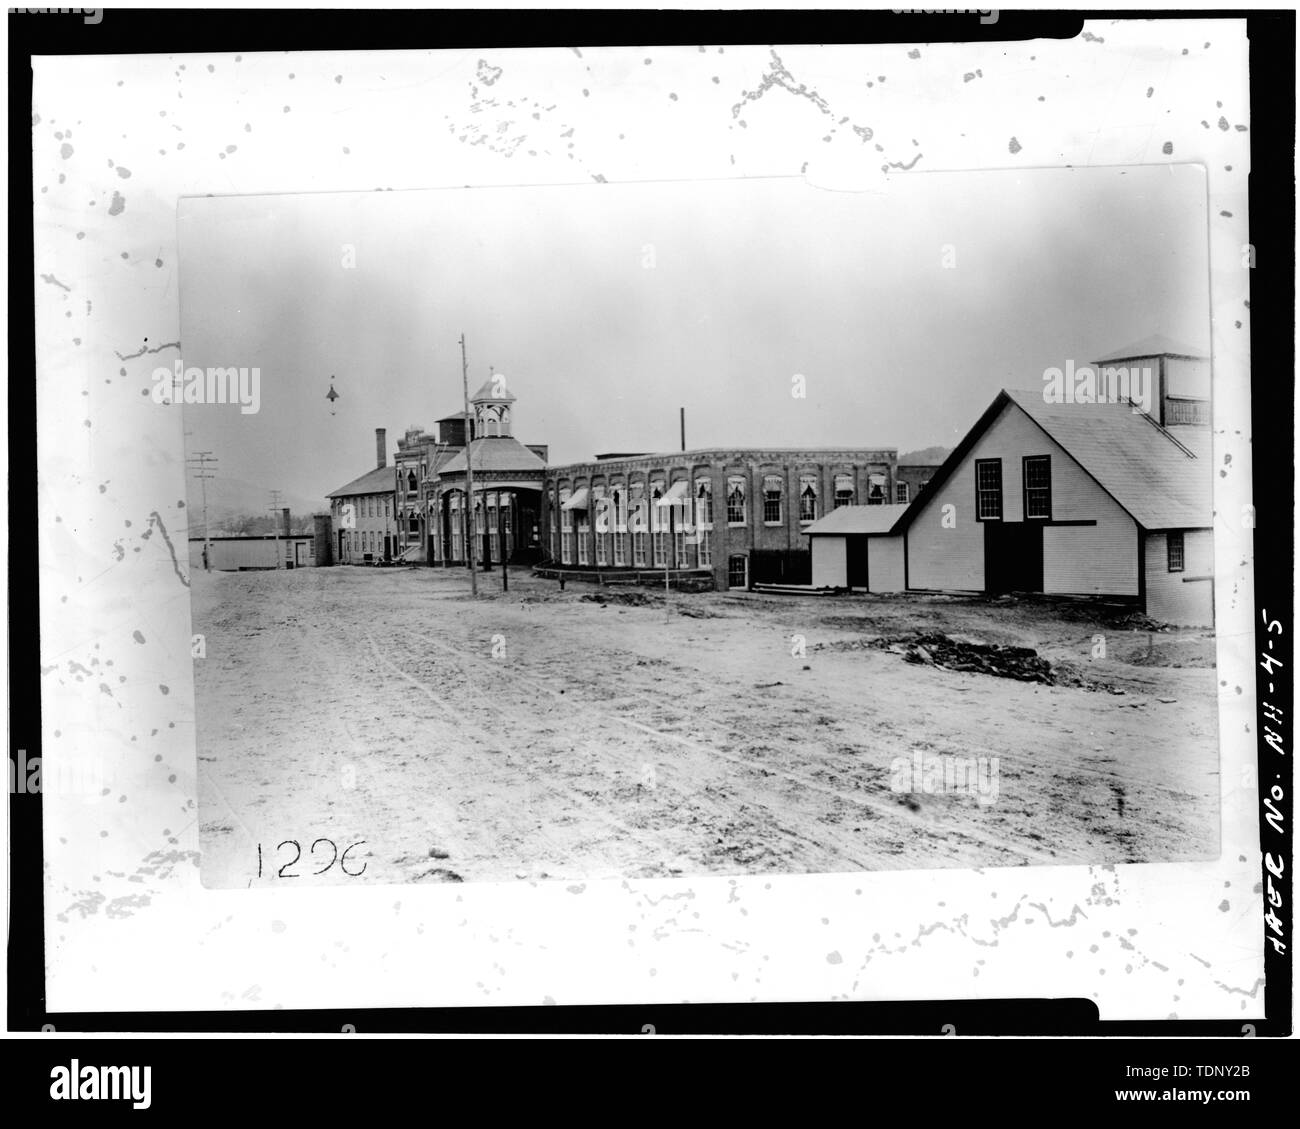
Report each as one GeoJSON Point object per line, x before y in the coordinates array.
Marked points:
{"type": "Point", "coordinates": [1090, 496]}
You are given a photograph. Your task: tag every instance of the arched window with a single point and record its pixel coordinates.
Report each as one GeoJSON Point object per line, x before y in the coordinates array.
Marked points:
{"type": "Point", "coordinates": [412, 483]}
{"type": "Point", "coordinates": [566, 528]}
{"type": "Point", "coordinates": [772, 489]}
{"type": "Point", "coordinates": [638, 523]}
{"type": "Point", "coordinates": [619, 499]}
{"type": "Point", "coordinates": [600, 505]}
{"type": "Point", "coordinates": [843, 490]}
{"type": "Point", "coordinates": [659, 525]}
{"type": "Point", "coordinates": [658, 518]}
{"type": "Point", "coordinates": [735, 501]}
{"type": "Point", "coordinates": [808, 498]}
{"type": "Point", "coordinates": [703, 502]}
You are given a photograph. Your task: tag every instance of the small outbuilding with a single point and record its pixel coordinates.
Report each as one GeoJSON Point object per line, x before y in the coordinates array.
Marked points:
{"type": "Point", "coordinates": [856, 547]}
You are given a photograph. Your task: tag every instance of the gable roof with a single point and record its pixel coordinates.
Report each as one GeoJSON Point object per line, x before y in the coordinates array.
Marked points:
{"type": "Point", "coordinates": [493, 452]}
{"type": "Point", "coordinates": [377, 481]}
{"type": "Point", "coordinates": [1162, 482]}
{"type": "Point", "coordinates": [857, 519]}
{"type": "Point", "coordinates": [1156, 345]}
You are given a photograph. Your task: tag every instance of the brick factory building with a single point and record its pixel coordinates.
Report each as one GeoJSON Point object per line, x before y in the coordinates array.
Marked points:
{"type": "Point", "coordinates": [732, 516]}
{"type": "Point", "coordinates": [911, 479]}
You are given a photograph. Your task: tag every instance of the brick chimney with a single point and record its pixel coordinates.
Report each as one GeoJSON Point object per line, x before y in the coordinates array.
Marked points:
{"type": "Point", "coordinates": [381, 447]}
{"type": "Point", "coordinates": [285, 522]}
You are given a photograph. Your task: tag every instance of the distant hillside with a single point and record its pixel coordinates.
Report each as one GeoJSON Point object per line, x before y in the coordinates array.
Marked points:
{"type": "Point", "coordinates": [235, 504]}
{"type": "Point", "coordinates": [926, 456]}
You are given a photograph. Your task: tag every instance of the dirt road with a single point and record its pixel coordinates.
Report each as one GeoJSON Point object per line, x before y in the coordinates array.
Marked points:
{"type": "Point", "coordinates": [547, 735]}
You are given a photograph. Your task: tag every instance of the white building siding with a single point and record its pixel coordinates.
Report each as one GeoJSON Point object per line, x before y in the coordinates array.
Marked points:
{"type": "Point", "coordinates": [829, 562]}
{"type": "Point", "coordinates": [1188, 376]}
{"type": "Point", "coordinates": [231, 555]}
{"type": "Point", "coordinates": [940, 558]}
{"type": "Point", "coordinates": [885, 564]}
{"type": "Point", "coordinates": [1183, 598]}
{"type": "Point", "coordinates": [1083, 560]}
{"type": "Point", "coordinates": [1092, 560]}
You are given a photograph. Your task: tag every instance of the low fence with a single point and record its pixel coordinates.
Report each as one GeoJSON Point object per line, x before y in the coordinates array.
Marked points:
{"type": "Point", "coordinates": [683, 579]}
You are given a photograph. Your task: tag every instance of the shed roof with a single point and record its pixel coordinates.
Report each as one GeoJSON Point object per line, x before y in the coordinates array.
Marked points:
{"type": "Point", "coordinates": [857, 519]}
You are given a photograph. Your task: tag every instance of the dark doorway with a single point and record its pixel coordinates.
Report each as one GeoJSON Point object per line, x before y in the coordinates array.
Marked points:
{"type": "Point", "coordinates": [1013, 556]}
{"type": "Point", "coordinates": [780, 566]}
{"type": "Point", "coordinates": [855, 562]}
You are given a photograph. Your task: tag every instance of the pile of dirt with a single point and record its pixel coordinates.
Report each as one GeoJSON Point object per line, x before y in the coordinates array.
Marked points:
{"type": "Point", "coordinates": [1072, 674]}
{"type": "Point", "coordinates": [935, 649]}
{"type": "Point", "coordinates": [631, 598]}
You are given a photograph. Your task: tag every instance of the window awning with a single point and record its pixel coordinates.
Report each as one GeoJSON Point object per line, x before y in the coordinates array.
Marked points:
{"type": "Point", "coordinates": [876, 479]}
{"type": "Point", "coordinates": [578, 501]}
{"type": "Point", "coordinates": [676, 493]}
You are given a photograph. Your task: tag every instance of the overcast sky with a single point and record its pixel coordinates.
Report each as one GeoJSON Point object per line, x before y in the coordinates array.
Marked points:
{"type": "Point", "coordinates": [609, 306]}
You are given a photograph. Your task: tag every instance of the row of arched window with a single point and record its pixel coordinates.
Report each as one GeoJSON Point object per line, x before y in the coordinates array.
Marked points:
{"type": "Point", "coordinates": [623, 503]}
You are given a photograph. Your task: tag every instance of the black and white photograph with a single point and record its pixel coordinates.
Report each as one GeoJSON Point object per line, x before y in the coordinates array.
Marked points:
{"type": "Point", "coordinates": [674, 517]}
{"type": "Point", "coordinates": [677, 529]}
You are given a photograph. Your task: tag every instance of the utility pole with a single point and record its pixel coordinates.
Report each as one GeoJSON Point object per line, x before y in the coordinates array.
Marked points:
{"type": "Point", "coordinates": [501, 540]}
{"type": "Point", "coordinates": [275, 525]}
{"type": "Point", "coordinates": [198, 464]}
{"type": "Point", "coordinates": [471, 526]}
{"type": "Point", "coordinates": [430, 519]}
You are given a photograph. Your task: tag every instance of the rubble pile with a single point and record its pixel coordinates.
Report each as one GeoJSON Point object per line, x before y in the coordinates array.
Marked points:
{"type": "Point", "coordinates": [935, 649]}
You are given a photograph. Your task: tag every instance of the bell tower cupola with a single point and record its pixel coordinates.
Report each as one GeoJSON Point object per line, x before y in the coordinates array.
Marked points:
{"type": "Point", "coordinates": [492, 406]}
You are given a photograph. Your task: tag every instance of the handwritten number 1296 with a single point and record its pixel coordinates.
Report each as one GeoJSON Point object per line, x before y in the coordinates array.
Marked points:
{"type": "Point", "coordinates": [286, 869]}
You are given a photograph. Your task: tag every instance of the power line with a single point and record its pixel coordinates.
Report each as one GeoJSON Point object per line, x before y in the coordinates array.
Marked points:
{"type": "Point", "coordinates": [199, 464]}
{"type": "Point", "coordinates": [275, 525]}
